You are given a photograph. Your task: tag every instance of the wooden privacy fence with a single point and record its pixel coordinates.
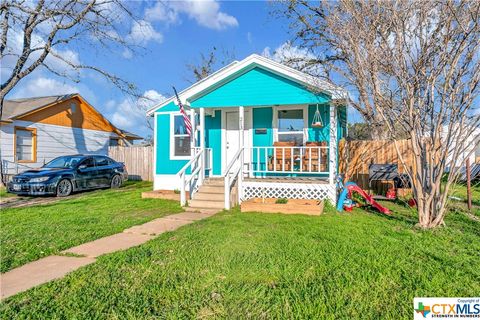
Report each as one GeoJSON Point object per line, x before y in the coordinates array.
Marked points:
{"type": "Point", "coordinates": [356, 156]}
{"type": "Point", "coordinates": [138, 160]}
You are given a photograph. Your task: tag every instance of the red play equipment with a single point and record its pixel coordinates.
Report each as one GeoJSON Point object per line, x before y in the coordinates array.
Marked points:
{"type": "Point", "coordinates": [353, 187]}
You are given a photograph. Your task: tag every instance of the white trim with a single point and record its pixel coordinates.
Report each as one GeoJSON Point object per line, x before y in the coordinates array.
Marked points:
{"type": "Point", "coordinates": [252, 61]}
{"type": "Point", "coordinates": [248, 142]}
{"type": "Point", "coordinates": [304, 107]}
{"type": "Point", "coordinates": [332, 153]}
{"type": "Point", "coordinates": [172, 138]}
{"type": "Point", "coordinates": [168, 182]}
{"type": "Point", "coordinates": [168, 112]}
{"type": "Point", "coordinates": [202, 145]}
{"type": "Point", "coordinates": [193, 135]}
{"type": "Point", "coordinates": [241, 127]}
{"type": "Point", "coordinates": [155, 146]}
{"type": "Point", "coordinates": [223, 145]}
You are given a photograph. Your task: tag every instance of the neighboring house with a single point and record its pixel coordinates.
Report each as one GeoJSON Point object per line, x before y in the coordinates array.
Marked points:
{"type": "Point", "coordinates": [468, 145]}
{"type": "Point", "coordinates": [33, 131]}
{"type": "Point", "coordinates": [282, 124]}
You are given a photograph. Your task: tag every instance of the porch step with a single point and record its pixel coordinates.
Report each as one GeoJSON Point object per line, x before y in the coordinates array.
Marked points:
{"type": "Point", "coordinates": [210, 196]}
{"type": "Point", "coordinates": [207, 188]}
{"type": "Point", "coordinates": [202, 195]}
{"type": "Point", "coordinates": [205, 204]}
{"type": "Point", "coordinates": [214, 182]}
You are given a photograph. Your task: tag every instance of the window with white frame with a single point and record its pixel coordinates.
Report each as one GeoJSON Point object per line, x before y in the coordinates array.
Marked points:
{"type": "Point", "coordinates": [181, 139]}
{"type": "Point", "coordinates": [25, 144]}
{"type": "Point", "coordinates": [290, 126]}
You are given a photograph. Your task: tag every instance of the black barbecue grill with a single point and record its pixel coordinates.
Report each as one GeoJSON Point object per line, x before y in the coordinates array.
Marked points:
{"type": "Point", "coordinates": [382, 172]}
{"type": "Point", "coordinates": [387, 172]}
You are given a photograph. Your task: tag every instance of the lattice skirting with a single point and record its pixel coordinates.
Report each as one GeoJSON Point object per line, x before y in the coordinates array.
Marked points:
{"type": "Point", "coordinates": [289, 191]}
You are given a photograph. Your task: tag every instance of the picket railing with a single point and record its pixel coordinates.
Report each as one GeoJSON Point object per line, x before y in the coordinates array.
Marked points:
{"type": "Point", "coordinates": [288, 160]}
{"type": "Point", "coordinates": [233, 172]}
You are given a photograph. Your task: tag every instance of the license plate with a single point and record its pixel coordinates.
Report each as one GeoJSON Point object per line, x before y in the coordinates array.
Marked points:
{"type": "Point", "coordinates": [17, 187]}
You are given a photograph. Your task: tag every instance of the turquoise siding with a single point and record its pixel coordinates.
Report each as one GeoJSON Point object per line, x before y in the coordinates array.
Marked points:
{"type": "Point", "coordinates": [252, 87]}
{"type": "Point", "coordinates": [323, 133]}
{"type": "Point", "coordinates": [169, 107]}
{"type": "Point", "coordinates": [256, 87]}
{"type": "Point", "coordinates": [213, 139]}
{"type": "Point", "coordinates": [163, 163]}
{"type": "Point", "coordinates": [262, 119]}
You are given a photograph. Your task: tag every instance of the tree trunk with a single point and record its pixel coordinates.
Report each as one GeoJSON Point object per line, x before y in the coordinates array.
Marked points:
{"type": "Point", "coordinates": [430, 213]}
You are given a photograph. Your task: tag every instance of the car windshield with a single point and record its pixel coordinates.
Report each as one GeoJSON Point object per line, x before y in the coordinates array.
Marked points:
{"type": "Point", "coordinates": [64, 162]}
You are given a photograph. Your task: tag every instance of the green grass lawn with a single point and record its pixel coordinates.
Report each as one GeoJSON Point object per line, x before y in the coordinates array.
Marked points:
{"type": "Point", "coordinates": [5, 194]}
{"type": "Point", "coordinates": [234, 265]}
{"type": "Point", "coordinates": [27, 234]}
{"type": "Point", "coordinates": [460, 191]}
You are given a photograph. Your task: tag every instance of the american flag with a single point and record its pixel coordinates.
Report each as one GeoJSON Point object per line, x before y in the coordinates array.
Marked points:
{"type": "Point", "coordinates": [186, 118]}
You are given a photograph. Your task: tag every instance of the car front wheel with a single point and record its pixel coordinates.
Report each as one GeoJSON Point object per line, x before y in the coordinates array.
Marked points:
{"type": "Point", "coordinates": [64, 188]}
{"type": "Point", "coordinates": [116, 182]}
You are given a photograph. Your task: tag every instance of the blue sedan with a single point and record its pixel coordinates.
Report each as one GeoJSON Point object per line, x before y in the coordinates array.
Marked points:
{"type": "Point", "coordinates": [67, 174]}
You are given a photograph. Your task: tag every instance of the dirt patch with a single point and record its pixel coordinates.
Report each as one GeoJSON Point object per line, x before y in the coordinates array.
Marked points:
{"type": "Point", "coordinates": [293, 206]}
{"type": "Point", "coordinates": [18, 202]}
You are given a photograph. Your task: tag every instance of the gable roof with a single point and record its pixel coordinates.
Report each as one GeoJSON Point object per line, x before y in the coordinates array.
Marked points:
{"type": "Point", "coordinates": [252, 61]}
{"type": "Point", "coordinates": [17, 108]}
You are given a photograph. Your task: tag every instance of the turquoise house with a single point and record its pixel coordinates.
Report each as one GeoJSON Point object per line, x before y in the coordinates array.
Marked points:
{"type": "Point", "coordinates": [260, 129]}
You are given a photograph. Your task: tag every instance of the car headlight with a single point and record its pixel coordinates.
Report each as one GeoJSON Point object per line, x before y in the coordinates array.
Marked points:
{"type": "Point", "coordinates": [39, 179]}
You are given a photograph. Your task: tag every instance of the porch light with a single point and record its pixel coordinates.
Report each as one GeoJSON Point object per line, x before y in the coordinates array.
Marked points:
{"type": "Point", "coordinates": [317, 119]}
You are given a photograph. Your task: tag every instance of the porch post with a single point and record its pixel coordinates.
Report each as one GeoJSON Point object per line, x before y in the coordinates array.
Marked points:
{"type": "Point", "coordinates": [241, 126]}
{"type": "Point", "coordinates": [193, 136]}
{"type": "Point", "coordinates": [202, 144]}
{"type": "Point", "coordinates": [332, 167]}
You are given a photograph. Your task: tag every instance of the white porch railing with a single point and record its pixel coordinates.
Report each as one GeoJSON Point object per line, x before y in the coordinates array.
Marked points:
{"type": "Point", "coordinates": [273, 160]}
{"type": "Point", "coordinates": [289, 160]}
{"type": "Point", "coordinates": [200, 162]}
{"type": "Point", "coordinates": [233, 172]}
{"type": "Point", "coordinates": [208, 157]}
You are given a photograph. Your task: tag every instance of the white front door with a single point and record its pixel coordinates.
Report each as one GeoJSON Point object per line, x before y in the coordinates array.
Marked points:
{"type": "Point", "coordinates": [232, 135]}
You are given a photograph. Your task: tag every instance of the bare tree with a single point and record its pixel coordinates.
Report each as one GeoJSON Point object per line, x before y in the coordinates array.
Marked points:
{"type": "Point", "coordinates": [297, 58]}
{"type": "Point", "coordinates": [39, 35]}
{"type": "Point", "coordinates": [331, 32]}
{"type": "Point", "coordinates": [414, 69]}
{"type": "Point", "coordinates": [209, 63]}
{"type": "Point", "coordinates": [48, 27]}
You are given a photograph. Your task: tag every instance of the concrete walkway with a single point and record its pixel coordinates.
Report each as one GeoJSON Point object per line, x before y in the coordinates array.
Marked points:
{"type": "Point", "coordinates": [55, 267]}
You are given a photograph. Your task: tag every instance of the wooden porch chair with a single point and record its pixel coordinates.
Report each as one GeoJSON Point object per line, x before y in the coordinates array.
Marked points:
{"type": "Point", "coordinates": [282, 156]}
{"type": "Point", "coordinates": [317, 157]}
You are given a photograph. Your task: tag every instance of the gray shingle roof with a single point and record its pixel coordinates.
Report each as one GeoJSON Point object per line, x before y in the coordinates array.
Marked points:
{"type": "Point", "coordinates": [16, 107]}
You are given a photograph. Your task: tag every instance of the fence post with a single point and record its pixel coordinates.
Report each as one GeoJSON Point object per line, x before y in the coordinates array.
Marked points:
{"type": "Point", "coordinates": [469, 190]}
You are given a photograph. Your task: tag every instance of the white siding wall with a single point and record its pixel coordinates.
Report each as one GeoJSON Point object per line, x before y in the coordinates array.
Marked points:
{"type": "Point", "coordinates": [469, 146]}
{"type": "Point", "coordinates": [53, 141]}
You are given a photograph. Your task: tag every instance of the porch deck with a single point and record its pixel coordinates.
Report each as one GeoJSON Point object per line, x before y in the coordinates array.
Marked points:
{"type": "Point", "coordinates": [299, 180]}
